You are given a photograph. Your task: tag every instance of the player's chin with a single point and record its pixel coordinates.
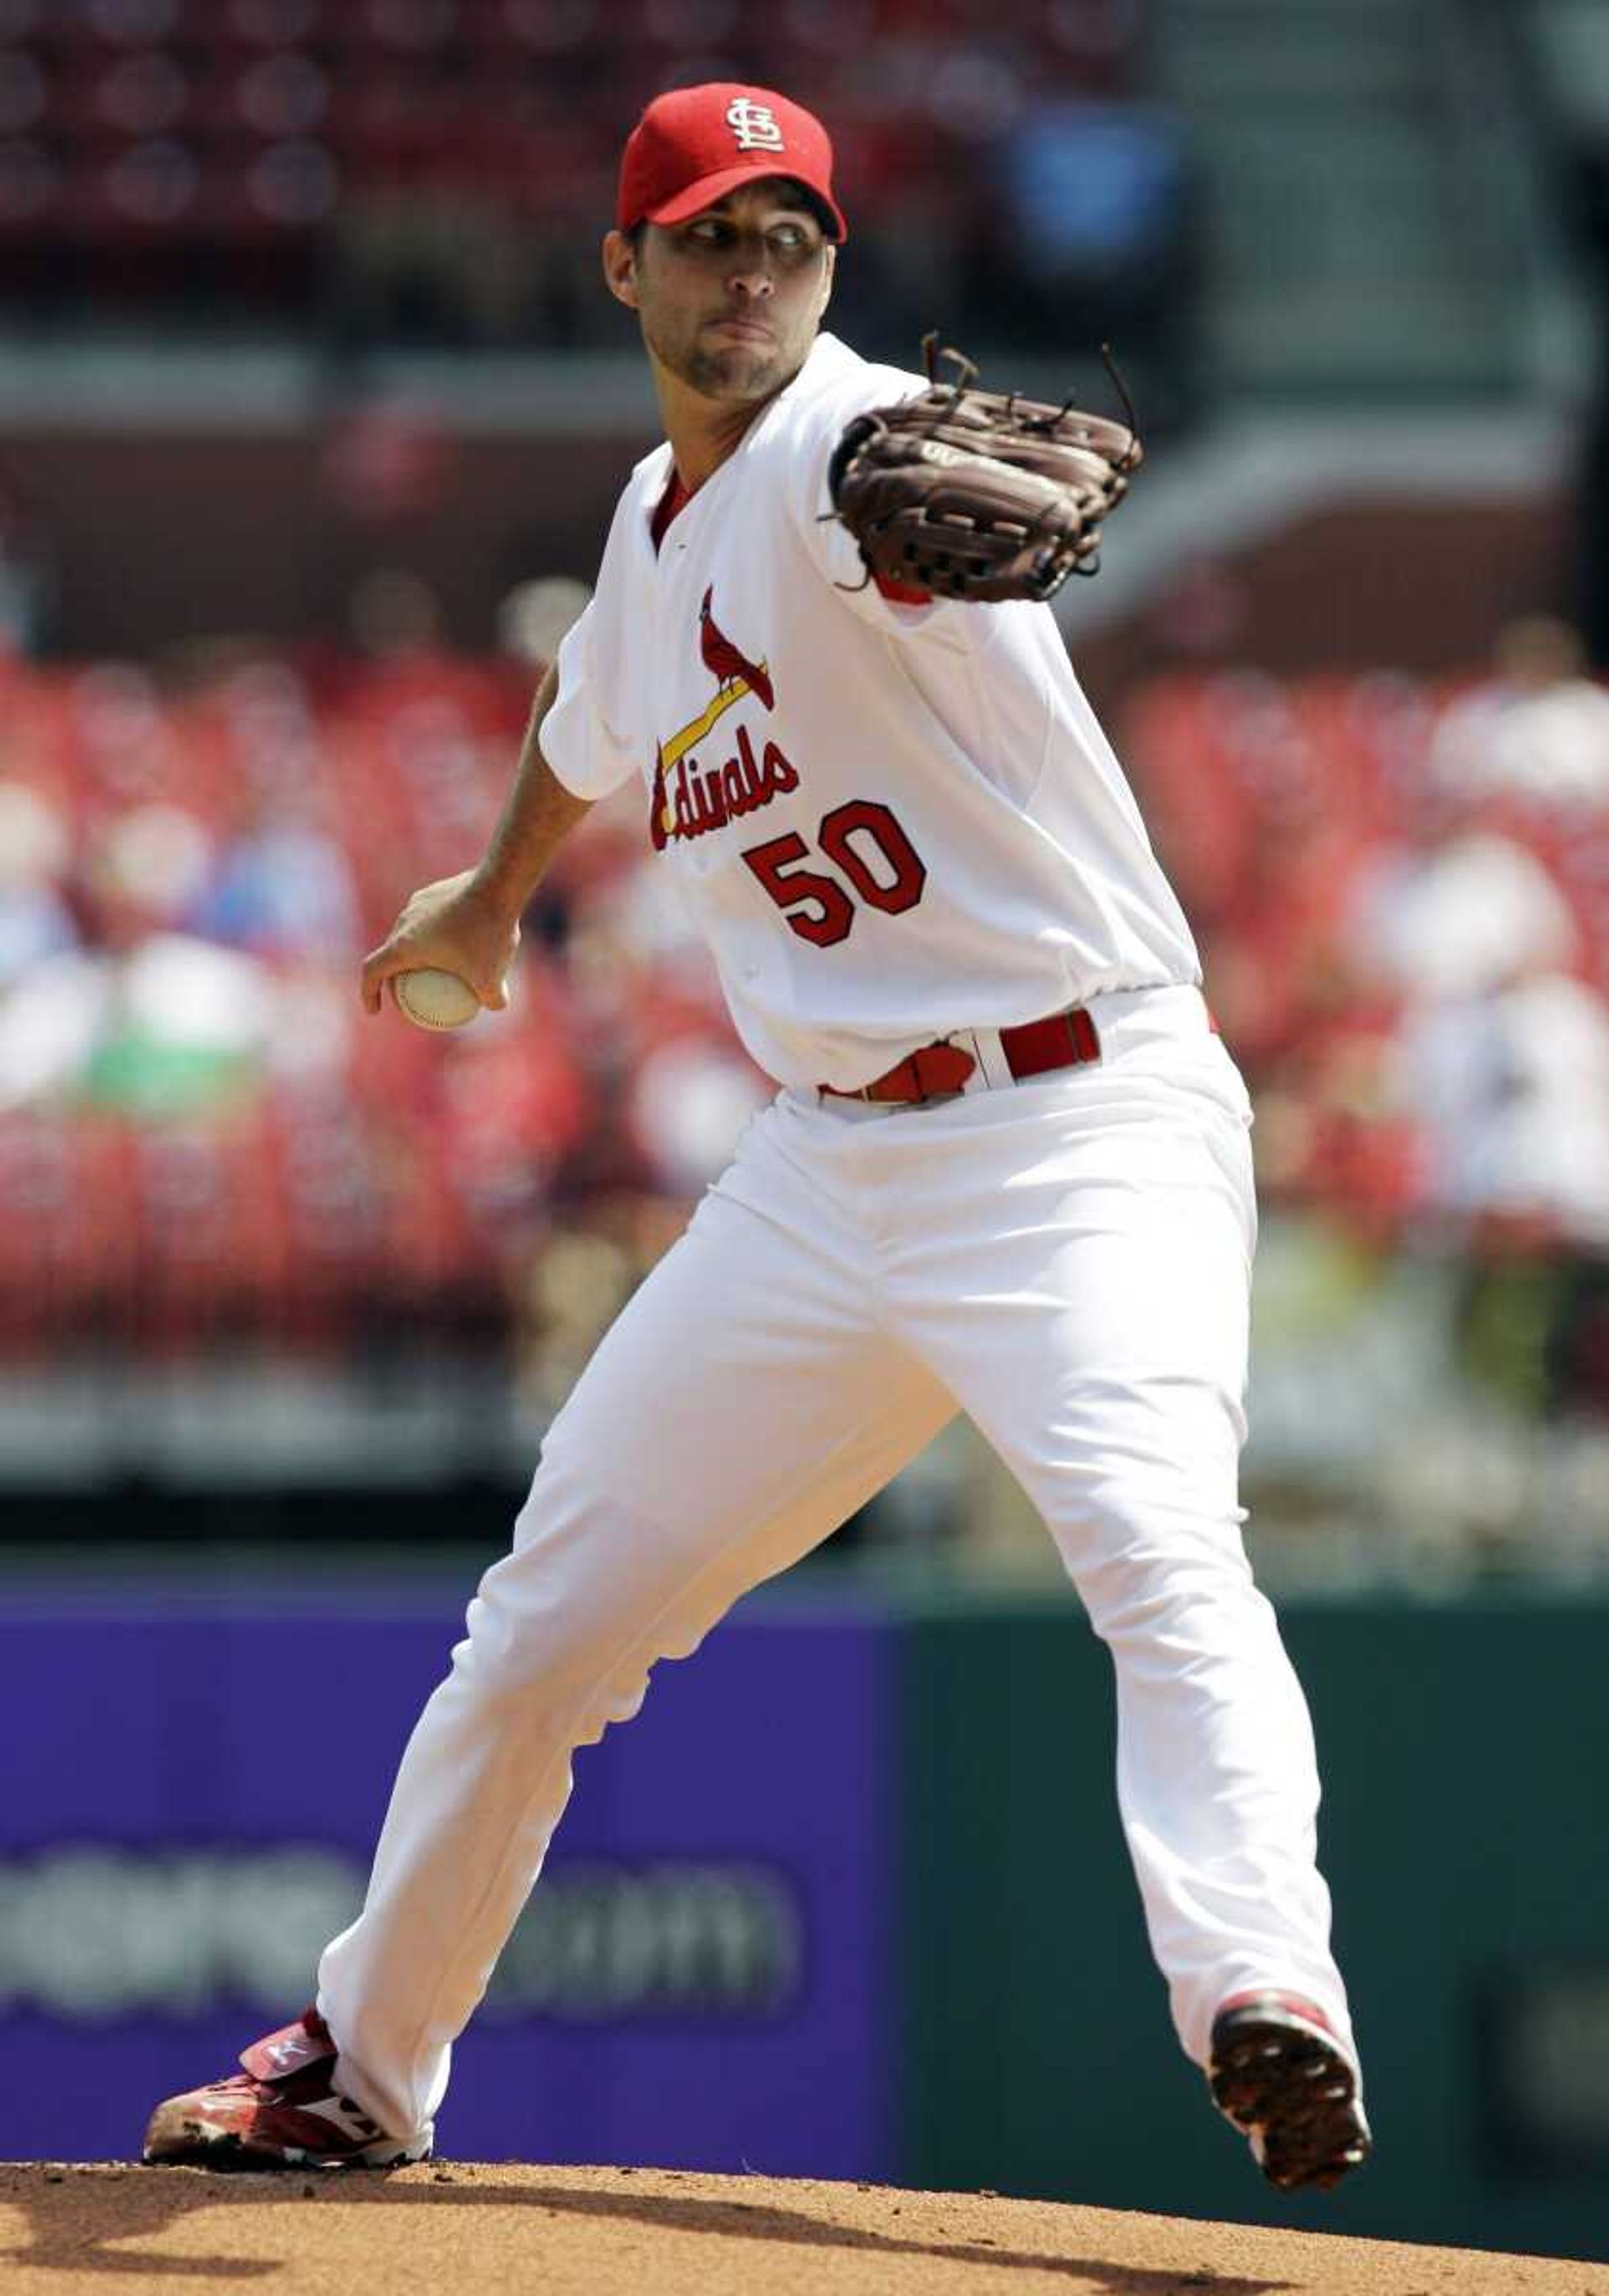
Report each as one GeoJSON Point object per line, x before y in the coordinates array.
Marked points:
{"type": "Point", "coordinates": [727, 368]}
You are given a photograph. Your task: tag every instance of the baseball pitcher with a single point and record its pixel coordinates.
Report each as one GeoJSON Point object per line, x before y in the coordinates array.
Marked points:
{"type": "Point", "coordinates": [1006, 1170]}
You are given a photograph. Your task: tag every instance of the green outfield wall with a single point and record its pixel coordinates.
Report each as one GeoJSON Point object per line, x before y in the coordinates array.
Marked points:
{"type": "Point", "coordinates": [1466, 1835]}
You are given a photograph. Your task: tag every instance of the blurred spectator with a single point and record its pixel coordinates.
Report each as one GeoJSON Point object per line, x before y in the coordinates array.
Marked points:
{"type": "Point", "coordinates": [1440, 940]}
{"type": "Point", "coordinates": [1460, 915]}
{"type": "Point", "coordinates": [35, 848]}
{"type": "Point", "coordinates": [51, 1022]}
{"type": "Point", "coordinates": [691, 1095]}
{"type": "Point", "coordinates": [532, 620]}
{"type": "Point", "coordinates": [185, 1026]}
{"type": "Point", "coordinates": [1537, 728]}
{"type": "Point", "coordinates": [146, 865]}
{"type": "Point", "coordinates": [282, 887]}
{"type": "Point", "coordinates": [1510, 1085]}
{"type": "Point", "coordinates": [1511, 1091]}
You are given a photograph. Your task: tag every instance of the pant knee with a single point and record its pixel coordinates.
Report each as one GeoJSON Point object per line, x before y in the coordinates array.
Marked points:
{"type": "Point", "coordinates": [572, 1619]}
{"type": "Point", "coordinates": [1153, 1570]}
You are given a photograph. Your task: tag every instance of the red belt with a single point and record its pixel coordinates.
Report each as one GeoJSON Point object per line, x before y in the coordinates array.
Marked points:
{"type": "Point", "coordinates": [1066, 1040]}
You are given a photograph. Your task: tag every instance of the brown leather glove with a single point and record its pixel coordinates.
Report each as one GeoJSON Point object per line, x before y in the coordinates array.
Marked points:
{"type": "Point", "coordinates": [967, 494]}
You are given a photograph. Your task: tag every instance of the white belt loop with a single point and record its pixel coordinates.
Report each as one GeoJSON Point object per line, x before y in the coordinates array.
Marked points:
{"type": "Point", "coordinates": [993, 1069]}
{"type": "Point", "coordinates": [974, 1041]}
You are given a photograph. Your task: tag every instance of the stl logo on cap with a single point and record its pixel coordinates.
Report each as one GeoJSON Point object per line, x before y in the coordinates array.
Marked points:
{"type": "Point", "coordinates": [693, 145]}
{"type": "Point", "coordinates": [754, 125]}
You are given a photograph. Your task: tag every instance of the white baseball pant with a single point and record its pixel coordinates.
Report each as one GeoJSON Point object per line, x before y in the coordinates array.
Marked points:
{"type": "Point", "coordinates": [1068, 1260]}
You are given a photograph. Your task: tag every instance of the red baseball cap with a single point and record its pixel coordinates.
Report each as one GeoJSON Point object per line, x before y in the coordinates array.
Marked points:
{"type": "Point", "coordinates": [693, 145]}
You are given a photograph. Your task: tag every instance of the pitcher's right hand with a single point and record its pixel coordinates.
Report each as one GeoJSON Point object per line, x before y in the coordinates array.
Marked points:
{"type": "Point", "coordinates": [458, 925]}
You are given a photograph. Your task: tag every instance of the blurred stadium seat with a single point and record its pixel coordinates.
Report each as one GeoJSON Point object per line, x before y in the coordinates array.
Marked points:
{"type": "Point", "coordinates": [237, 155]}
{"type": "Point", "coordinates": [183, 903]}
{"type": "Point", "coordinates": [208, 1143]}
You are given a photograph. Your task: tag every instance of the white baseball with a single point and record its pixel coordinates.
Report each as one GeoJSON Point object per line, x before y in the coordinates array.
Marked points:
{"type": "Point", "coordinates": [433, 999]}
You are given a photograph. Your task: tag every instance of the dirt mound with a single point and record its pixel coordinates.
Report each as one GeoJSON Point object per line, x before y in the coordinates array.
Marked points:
{"type": "Point", "coordinates": [657, 2232]}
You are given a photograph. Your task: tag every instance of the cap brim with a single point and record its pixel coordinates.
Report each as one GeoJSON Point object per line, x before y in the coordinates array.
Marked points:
{"type": "Point", "coordinates": [696, 197]}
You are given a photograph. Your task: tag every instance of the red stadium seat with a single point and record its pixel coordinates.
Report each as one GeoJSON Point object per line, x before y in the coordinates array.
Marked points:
{"type": "Point", "coordinates": [406, 1176]}
{"type": "Point", "coordinates": [265, 99]}
{"type": "Point", "coordinates": [418, 29]}
{"type": "Point", "coordinates": [122, 99]}
{"type": "Point", "coordinates": [269, 24]}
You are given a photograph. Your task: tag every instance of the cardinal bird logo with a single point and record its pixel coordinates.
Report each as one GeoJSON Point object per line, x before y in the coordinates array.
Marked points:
{"type": "Point", "coordinates": [689, 801]}
{"type": "Point", "coordinates": [724, 660]}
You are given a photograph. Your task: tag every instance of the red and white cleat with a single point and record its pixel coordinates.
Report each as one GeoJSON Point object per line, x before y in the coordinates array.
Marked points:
{"type": "Point", "coordinates": [283, 2111]}
{"type": "Point", "coordinates": [1290, 2084]}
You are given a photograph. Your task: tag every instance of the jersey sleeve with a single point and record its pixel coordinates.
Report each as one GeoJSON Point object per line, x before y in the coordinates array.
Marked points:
{"type": "Point", "coordinates": [899, 613]}
{"type": "Point", "coordinates": [584, 750]}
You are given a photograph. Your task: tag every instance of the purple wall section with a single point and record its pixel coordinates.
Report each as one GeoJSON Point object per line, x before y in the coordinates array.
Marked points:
{"type": "Point", "coordinates": [703, 1979]}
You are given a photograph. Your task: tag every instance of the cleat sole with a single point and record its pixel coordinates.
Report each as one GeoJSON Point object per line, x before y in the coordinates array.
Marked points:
{"type": "Point", "coordinates": [1294, 2095]}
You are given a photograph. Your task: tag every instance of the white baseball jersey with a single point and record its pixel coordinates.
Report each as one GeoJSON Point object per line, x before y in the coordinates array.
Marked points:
{"type": "Point", "coordinates": [889, 821]}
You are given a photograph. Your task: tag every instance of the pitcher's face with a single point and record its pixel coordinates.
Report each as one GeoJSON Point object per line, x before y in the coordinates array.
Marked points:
{"type": "Point", "coordinates": [729, 302]}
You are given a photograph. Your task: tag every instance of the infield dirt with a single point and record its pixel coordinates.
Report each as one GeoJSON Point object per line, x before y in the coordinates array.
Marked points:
{"type": "Point", "coordinates": [590, 2232]}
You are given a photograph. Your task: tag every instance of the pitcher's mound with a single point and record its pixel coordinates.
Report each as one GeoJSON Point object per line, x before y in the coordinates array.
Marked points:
{"type": "Point", "coordinates": [483, 2230]}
